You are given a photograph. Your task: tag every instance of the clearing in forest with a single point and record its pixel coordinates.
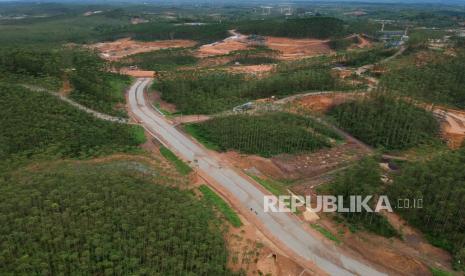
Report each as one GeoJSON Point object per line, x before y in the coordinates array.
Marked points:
{"type": "Point", "coordinates": [118, 49]}
{"type": "Point", "coordinates": [291, 48]}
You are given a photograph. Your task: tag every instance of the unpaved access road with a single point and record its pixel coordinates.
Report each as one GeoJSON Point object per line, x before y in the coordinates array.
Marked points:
{"type": "Point", "coordinates": [282, 227]}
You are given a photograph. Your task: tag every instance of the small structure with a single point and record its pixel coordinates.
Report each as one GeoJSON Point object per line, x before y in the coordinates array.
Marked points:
{"type": "Point", "coordinates": [243, 107]}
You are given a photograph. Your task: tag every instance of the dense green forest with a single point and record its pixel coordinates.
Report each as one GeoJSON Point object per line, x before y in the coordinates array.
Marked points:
{"type": "Point", "coordinates": [93, 86]}
{"type": "Point", "coordinates": [98, 219]}
{"type": "Point", "coordinates": [364, 179]}
{"type": "Point", "coordinates": [33, 122]}
{"type": "Point", "coordinates": [440, 183]}
{"type": "Point", "coordinates": [441, 80]}
{"type": "Point", "coordinates": [166, 59]}
{"type": "Point", "coordinates": [34, 65]}
{"type": "Point", "coordinates": [382, 120]}
{"type": "Point", "coordinates": [159, 31]}
{"type": "Point", "coordinates": [266, 134]}
{"type": "Point", "coordinates": [96, 88]}
{"type": "Point", "coordinates": [211, 92]}
{"type": "Point", "coordinates": [312, 27]}
{"type": "Point", "coordinates": [60, 29]}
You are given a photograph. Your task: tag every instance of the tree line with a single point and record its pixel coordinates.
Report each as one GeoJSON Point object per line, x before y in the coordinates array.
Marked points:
{"type": "Point", "coordinates": [34, 122]}
{"type": "Point", "coordinates": [200, 92]}
{"type": "Point", "coordinates": [440, 184]}
{"type": "Point", "coordinates": [386, 121]}
{"type": "Point", "coordinates": [265, 134]}
{"type": "Point", "coordinates": [440, 80]}
{"type": "Point", "coordinates": [312, 27]}
{"type": "Point", "coordinates": [362, 179]}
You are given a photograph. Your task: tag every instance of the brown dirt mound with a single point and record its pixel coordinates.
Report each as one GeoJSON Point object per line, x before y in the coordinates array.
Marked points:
{"type": "Point", "coordinates": [298, 48]}
{"type": "Point", "coordinates": [256, 255]}
{"type": "Point", "coordinates": [118, 49]}
{"type": "Point", "coordinates": [323, 102]}
{"type": "Point", "coordinates": [221, 48]}
{"type": "Point", "coordinates": [137, 73]}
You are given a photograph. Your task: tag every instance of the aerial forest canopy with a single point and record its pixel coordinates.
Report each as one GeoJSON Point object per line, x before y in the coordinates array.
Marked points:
{"type": "Point", "coordinates": [211, 92]}
{"type": "Point", "coordinates": [33, 122]}
{"type": "Point", "coordinates": [385, 121]}
{"type": "Point", "coordinates": [266, 134]}
{"type": "Point", "coordinates": [440, 81]}
{"type": "Point", "coordinates": [440, 183]}
{"type": "Point", "coordinates": [96, 219]}
{"type": "Point", "coordinates": [312, 27]}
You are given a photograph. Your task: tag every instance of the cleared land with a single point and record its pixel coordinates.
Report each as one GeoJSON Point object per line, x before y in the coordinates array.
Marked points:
{"type": "Point", "coordinates": [121, 48]}
{"type": "Point", "coordinates": [291, 49]}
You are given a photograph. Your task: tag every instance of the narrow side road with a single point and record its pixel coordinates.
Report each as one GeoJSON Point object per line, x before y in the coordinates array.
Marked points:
{"type": "Point", "coordinates": [283, 228]}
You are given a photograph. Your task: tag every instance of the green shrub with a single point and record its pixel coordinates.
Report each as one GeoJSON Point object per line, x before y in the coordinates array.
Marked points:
{"type": "Point", "coordinates": [222, 206]}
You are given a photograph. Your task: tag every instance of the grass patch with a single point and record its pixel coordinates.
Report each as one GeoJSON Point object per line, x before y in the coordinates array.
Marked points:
{"type": "Point", "coordinates": [326, 233]}
{"type": "Point", "coordinates": [222, 206]}
{"type": "Point", "coordinates": [139, 134]}
{"type": "Point", "coordinates": [182, 167]}
{"type": "Point", "coordinates": [195, 132]}
{"type": "Point", "coordinates": [439, 272]}
{"type": "Point", "coordinates": [275, 187]}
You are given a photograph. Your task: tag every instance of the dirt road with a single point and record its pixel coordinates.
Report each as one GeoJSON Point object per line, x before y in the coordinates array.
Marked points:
{"type": "Point", "coordinates": [285, 229]}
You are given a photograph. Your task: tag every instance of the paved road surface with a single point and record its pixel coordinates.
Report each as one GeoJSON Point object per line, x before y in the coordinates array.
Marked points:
{"type": "Point", "coordinates": [284, 227]}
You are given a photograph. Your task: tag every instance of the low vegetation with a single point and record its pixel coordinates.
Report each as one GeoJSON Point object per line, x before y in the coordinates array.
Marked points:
{"type": "Point", "coordinates": [182, 167]}
{"type": "Point", "coordinates": [256, 55]}
{"type": "Point", "coordinates": [266, 134]}
{"type": "Point", "coordinates": [325, 232]}
{"type": "Point", "coordinates": [166, 59]}
{"type": "Point", "coordinates": [385, 121]}
{"type": "Point", "coordinates": [221, 205]}
{"type": "Point", "coordinates": [275, 187]}
{"type": "Point", "coordinates": [364, 57]}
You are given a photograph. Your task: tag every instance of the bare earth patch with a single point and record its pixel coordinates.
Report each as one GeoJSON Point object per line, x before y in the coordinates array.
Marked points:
{"type": "Point", "coordinates": [298, 48]}
{"type": "Point", "coordinates": [224, 47]}
{"type": "Point", "coordinates": [453, 126]}
{"type": "Point", "coordinates": [256, 255]}
{"type": "Point", "coordinates": [137, 73]}
{"type": "Point", "coordinates": [120, 48]}
{"type": "Point", "coordinates": [259, 70]}
{"type": "Point", "coordinates": [323, 102]}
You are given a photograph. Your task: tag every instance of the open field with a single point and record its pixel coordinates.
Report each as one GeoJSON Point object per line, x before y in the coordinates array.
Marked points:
{"type": "Point", "coordinates": [291, 49]}
{"type": "Point", "coordinates": [121, 48]}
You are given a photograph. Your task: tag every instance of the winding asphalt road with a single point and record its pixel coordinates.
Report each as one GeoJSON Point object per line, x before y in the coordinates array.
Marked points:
{"type": "Point", "coordinates": [284, 227]}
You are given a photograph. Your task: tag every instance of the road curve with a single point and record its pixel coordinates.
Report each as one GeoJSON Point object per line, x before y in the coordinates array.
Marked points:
{"type": "Point", "coordinates": [282, 226]}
